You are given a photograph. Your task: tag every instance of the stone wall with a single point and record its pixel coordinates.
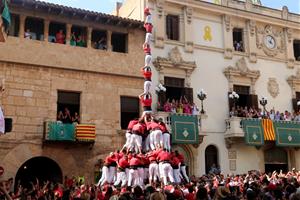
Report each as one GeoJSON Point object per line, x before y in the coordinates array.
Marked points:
{"type": "Point", "coordinates": [30, 98]}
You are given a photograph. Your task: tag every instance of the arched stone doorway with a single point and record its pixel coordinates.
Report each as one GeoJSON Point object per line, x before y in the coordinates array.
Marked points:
{"type": "Point", "coordinates": [42, 168]}
{"type": "Point", "coordinates": [276, 159]}
{"type": "Point", "coordinates": [186, 152]}
{"type": "Point", "coordinates": [211, 157]}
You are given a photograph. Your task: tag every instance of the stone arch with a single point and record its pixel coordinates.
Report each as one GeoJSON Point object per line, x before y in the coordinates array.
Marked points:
{"type": "Point", "coordinates": [211, 156]}
{"type": "Point", "coordinates": [188, 154]}
{"type": "Point", "coordinates": [23, 152]}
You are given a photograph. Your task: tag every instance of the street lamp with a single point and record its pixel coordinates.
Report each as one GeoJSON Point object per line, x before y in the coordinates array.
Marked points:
{"type": "Point", "coordinates": [264, 102]}
{"type": "Point", "coordinates": [202, 95]}
{"type": "Point", "coordinates": [234, 96]}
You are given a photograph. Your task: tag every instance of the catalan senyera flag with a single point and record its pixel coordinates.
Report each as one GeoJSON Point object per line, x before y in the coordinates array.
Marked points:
{"type": "Point", "coordinates": [85, 132]}
{"type": "Point", "coordinates": [269, 133]}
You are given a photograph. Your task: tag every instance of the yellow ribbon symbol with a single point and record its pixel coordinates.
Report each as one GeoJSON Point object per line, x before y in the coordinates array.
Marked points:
{"type": "Point", "coordinates": [207, 34]}
{"type": "Point", "coordinates": [217, 1]}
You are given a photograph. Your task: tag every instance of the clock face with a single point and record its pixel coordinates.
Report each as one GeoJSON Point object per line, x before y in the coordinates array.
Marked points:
{"type": "Point", "coordinates": [270, 42]}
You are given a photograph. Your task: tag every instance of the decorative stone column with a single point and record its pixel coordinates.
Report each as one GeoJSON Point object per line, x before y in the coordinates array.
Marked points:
{"type": "Point", "coordinates": [160, 25]}
{"type": "Point", "coordinates": [289, 47]}
{"type": "Point", "coordinates": [188, 29]}
{"type": "Point", "coordinates": [68, 33]}
{"type": "Point", "coordinates": [228, 39]}
{"type": "Point", "coordinates": [46, 30]}
{"type": "Point", "coordinates": [22, 26]}
{"type": "Point", "coordinates": [251, 35]}
{"type": "Point", "coordinates": [108, 40]}
{"type": "Point", "coordinates": [89, 37]}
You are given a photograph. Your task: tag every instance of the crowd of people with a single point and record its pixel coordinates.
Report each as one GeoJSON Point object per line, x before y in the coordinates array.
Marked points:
{"type": "Point", "coordinates": [181, 106]}
{"type": "Point", "coordinates": [253, 185]}
{"type": "Point", "coordinates": [259, 113]}
{"type": "Point", "coordinates": [66, 117]}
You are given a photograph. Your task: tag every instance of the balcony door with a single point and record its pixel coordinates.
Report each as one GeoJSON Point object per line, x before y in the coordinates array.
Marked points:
{"type": "Point", "coordinates": [276, 159]}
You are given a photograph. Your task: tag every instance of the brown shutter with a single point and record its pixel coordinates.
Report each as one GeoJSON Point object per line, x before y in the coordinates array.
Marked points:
{"type": "Point", "coordinates": [162, 100]}
{"type": "Point", "coordinates": [168, 26]}
{"type": "Point", "coordinates": [253, 101]}
{"type": "Point", "coordinates": [175, 26]}
{"type": "Point", "coordinates": [188, 93]}
{"type": "Point", "coordinates": [295, 106]}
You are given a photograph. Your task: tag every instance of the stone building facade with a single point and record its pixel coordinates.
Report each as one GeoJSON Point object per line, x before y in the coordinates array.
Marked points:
{"type": "Point", "coordinates": [195, 41]}
{"type": "Point", "coordinates": [36, 70]}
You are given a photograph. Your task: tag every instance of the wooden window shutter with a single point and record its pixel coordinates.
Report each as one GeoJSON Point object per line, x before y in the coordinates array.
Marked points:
{"type": "Point", "coordinates": [175, 26]}
{"type": "Point", "coordinates": [253, 101]}
{"type": "Point", "coordinates": [162, 100]}
{"type": "Point", "coordinates": [295, 106]}
{"type": "Point", "coordinates": [168, 26]}
{"type": "Point", "coordinates": [188, 93]}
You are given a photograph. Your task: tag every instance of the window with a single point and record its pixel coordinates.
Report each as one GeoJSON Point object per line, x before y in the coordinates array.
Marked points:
{"type": "Point", "coordinates": [78, 36]}
{"type": "Point", "coordinates": [99, 40]}
{"type": "Point", "coordinates": [295, 102]}
{"type": "Point", "coordinates": [245, 99]}
{"type": "Point", "coordinates": [13, 29]}
{"type": "Point", "coordinates": [129, 110]}
{"type": "Point", "coordinates": [172, 22]}
{"type": "Point", "coordinates": [119, 42]}
{"type": "Point", "coordinates": [57, 33]}
{"type": "Point", "coordinates": [68, 102]}
{"type": "Point", "coordinates": [297, 50]}
{"type": "Point", "coordinates": [175, 91]}
{"type": "Point", "coordinates": [34, 28]}
{"type": "Point", "coordinates": [238, 42]}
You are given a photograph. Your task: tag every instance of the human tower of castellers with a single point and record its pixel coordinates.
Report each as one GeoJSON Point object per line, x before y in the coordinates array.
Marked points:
{"type": "Point", "coordinates": [146, 157]}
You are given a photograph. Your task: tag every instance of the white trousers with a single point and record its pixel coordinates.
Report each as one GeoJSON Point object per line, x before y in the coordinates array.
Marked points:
{"type": "Point", "coordinates": [140, 176]}
{"type": "Point", "coordinates": [147, 86]}
{"type": "Point", "coordinates": [121, 178]}
{"type": "Point", "coordinates": [183, 172]}
{"type": "Point", "coordinates": [112, 173]}
{"type": "Point", "coordinates": [148, 59]}
{"type": "Point", "coordinates": [133, 177]}
{"type": "Point", "coordinates": [153, 172]}
{"type": "Point", "coordinates": [158, 139]}
{"type": "Point", "coordinates": [148, 38]}
{"type": "Point", "coordinates": [167, 173]}
{"type": "Point", "coordinates": [105, 176]}
{"type": "Point", "coordinates": [128, 139]}
{"type": "Point", "coordinates": [146, 146]}
{"type": "Point", "coordinates": [135, 140]}
{"type": "Point", "coordinates": [166, 139]}
{"type": "Point", "coordinates": [146, 174]}
{"type": "Point", "coordinates": [176, 173]}
{"type": "Point", "coordinates": [160, 170]}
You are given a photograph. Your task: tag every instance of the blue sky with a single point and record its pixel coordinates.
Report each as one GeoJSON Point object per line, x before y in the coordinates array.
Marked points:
{"type": "Point", "coordinates": [107, 6]}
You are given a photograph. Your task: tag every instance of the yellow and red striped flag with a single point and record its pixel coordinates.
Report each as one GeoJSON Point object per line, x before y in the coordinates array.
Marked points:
{"type": "Point", "coordinates": [269, 133]}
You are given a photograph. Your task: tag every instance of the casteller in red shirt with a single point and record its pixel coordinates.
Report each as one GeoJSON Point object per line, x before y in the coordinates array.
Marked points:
{"type": "Point", "coordinates": [147, 73]}
{"type": "Point", "coordinates": [131, 124]}
{"type": "Point", "coordinates": [164, 156]}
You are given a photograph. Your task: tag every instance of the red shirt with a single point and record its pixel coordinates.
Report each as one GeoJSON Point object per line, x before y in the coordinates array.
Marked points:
{"type": "Point", "coordinates": [181, 158]}
{"type": "Point", "coordinates": [175, 161]}
{"type": "Point", "coordinates": [123, 163]}
{"type": "Point", "coordinates": [152, 125]}
{"type": "Point", "coordinates": [148, 27]}
{"type": "Point", "coordinates": [163, 128]}
{"type": "Point", "coordinates": [131, 124]}
{"type": "Point", "coordinates": [147, 49]}
{"type": "Point", "coordinates": [60, 38]}
{"type": "Point", "coordinates": [164, 156]}
{"type": "Point", "coordinates": [109, 160]}
{"type": "Point", "coordinates": [138, 128]}
{"type": "Point", "coordinates": [146, 102]}
{"type": "Point", "coordinates": [135, 161]}
{"type": "Point", "coordinates": [147, 72]}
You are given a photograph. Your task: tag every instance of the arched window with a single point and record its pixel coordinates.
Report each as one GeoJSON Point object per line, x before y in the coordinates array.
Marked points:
{"type": "Point", "coordinates": [211, 158]}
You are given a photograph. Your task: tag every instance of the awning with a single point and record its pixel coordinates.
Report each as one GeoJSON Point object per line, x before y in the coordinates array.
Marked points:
{"type": "Point", "coordinates": [253, 132]}
{"type": "Point", "coordinates": [287, 133]}
{"type": "Point", "coordinates": [184, 129]}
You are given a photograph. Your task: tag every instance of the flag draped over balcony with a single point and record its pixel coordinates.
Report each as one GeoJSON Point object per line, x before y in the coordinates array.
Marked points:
{"type": "Point", "coordinates": [6, 15]}
{"type": "Point", "coordinates": [253, 132]}
{"type": "Point", "coordinates": [269, 134]}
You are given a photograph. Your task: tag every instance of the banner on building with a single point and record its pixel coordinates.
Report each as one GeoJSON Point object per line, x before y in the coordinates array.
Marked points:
{"type": "Point", "coordinates": [185, 129]}
{"type": "Point", "coordinates": [57, 131]}
{"type": "Point", "coordinates": [287, 133]}
{"type": "Point", "coordinates": [253, 132]}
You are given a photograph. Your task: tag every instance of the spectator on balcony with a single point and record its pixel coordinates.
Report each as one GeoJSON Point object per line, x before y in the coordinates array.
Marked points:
{"type": "Point", "coordinates": [186, 106]}
{"type": "Point", "coordinates": [67, 116]}
{"type": "Point", "coordinates": [272, 114]}
{"type": "Point", "coordinates": [173, 106]}
{"type": "Point", "coordinates": [179, 108]}
{"type": "Point", "coordinates": [76, 118]}
{"type": "Point", "coordinates": [277, 116]}
{"type": "Point", "coordinates": [60, 37]}
{"type": "Point", "coordinates": [60, 116]}
{"type": "Point", "coordinates": [27, 34]}
{"type": "Point", "coordinates": [73, 39]}
{"type": "Point", "coordinates": [80, 41]}
{"type": "Point", "coordinates": [287, 116]}
{"type": "Point", "coordinates": [297, 117]}
{"type": "Point", "coordinates": [195, 109]}
{"type": "Point", "coordinates": [168, 106]}
{"type": "Point", "coordinates": [101, 44]}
